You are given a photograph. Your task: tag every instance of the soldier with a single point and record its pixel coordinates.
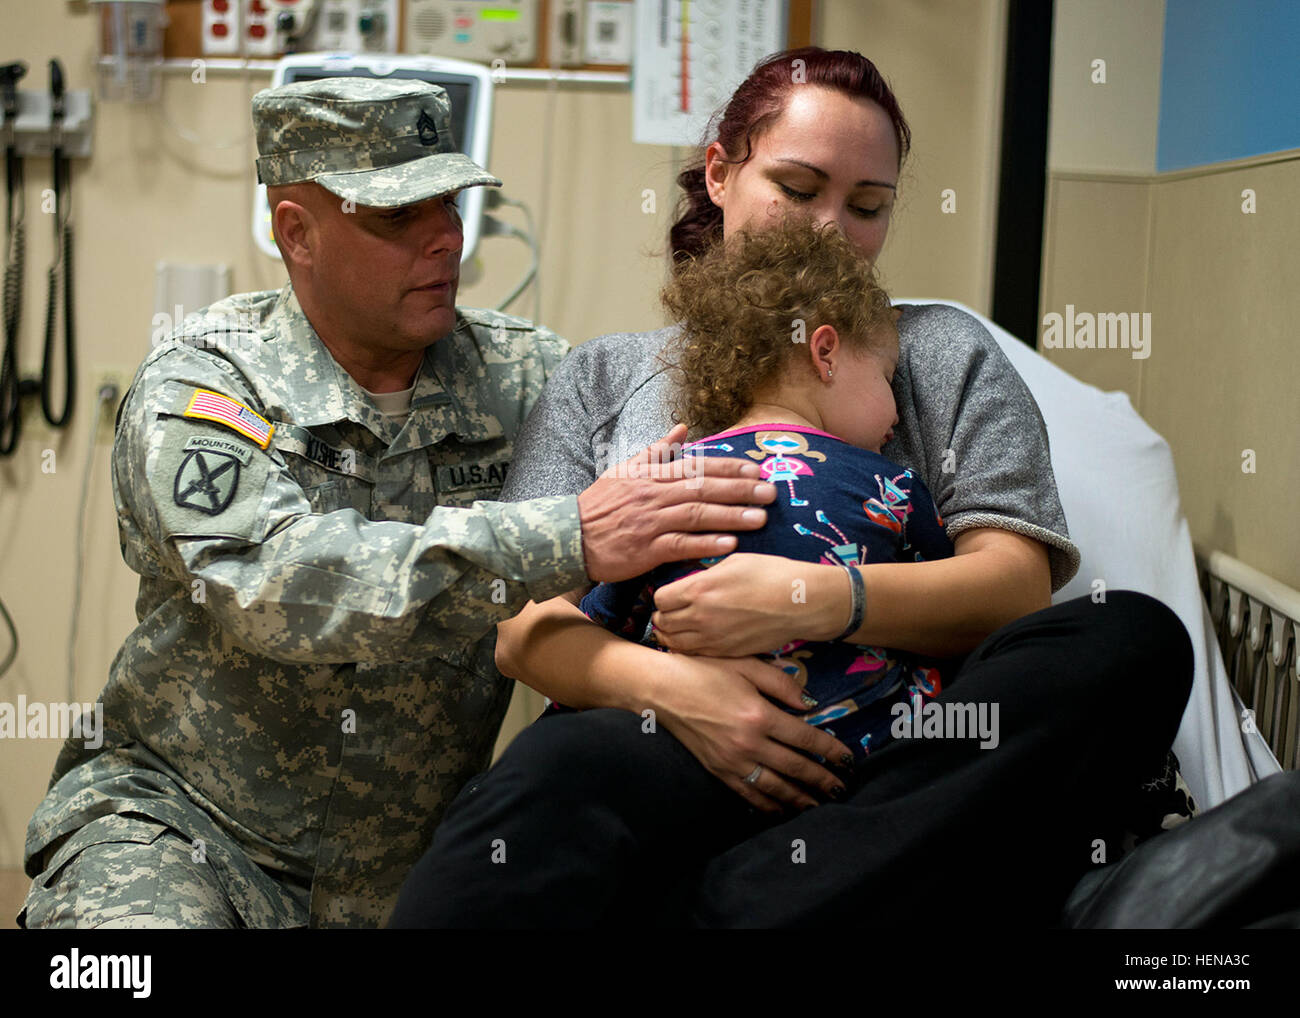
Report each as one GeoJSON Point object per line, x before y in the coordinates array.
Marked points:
{"type": "Point", "coordinates": [301, 480]}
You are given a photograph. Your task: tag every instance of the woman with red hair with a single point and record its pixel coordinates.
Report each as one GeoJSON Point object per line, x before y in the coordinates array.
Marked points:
{"type": "Point", "coordinates": [599, 813]}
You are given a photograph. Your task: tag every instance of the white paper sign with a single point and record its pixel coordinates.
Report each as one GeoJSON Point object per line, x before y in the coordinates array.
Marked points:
{"type": "Point", "coordinates": [690, 56]}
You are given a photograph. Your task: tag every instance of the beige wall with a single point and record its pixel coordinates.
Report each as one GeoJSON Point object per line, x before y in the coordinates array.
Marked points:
{"type": "Point", "coordinates": [1218, 282]}
{"type": "Point", "coordinates": [1223, 289]}
{"type": "Point", "coordinates": [1110, 274]}
{"type": "Point", "coordinates": [944, 61]}
{"type": "Point", "coordinates": [1220, 287]}
{"type": "Point", "coordinates": [1110, 126]}
{"type": "Point", "coordinates": [148, 195]}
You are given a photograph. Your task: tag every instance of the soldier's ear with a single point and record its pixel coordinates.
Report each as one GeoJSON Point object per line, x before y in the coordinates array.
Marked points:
{"type": "Point", "coordinates": [293, 226]}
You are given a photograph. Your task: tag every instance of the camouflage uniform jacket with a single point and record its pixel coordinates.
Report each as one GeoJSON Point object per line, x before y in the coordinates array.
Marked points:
{"type": "Point", "coordinates": [311, 680]}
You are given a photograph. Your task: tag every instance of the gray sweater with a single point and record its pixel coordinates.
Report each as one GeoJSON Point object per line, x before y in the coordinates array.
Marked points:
{"type": "Point", "coordinates": [967, 424]}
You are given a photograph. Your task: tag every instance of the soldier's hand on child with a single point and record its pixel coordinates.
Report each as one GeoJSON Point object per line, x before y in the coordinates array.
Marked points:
{"type": "Point", "coordinates": [656, 507]}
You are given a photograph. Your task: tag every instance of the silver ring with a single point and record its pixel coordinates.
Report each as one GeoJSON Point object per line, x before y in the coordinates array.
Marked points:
{"type": "Point", "coordinates": [752, 777]}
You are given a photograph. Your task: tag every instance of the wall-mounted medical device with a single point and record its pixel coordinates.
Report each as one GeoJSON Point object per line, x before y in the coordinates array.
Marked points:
{"type": "Point", "coordinates": [130, 49]}
{"type": "Point", "coordinates": [38, 126]}
{"type": "Point", "coordinates": [483, 30]}
{"type": "Point", "coordinates": [569, 34]}
{"type": "Point", "coordinates": [357, 26]}
{"type": "Point", "coordinates": [468, 85]}
{"type": "Point", "coordinates": [55, 125]}
{"type": "Point", "coordinates": [267, 29]}
{"type": "Point", "coordinates": [597, 35]}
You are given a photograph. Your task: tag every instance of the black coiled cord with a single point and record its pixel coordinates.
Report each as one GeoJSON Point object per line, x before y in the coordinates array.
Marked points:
{"type": "Point", "coordinates": [69, 345]}
{"type": "Point", "coordinates": [10, 399]}
{"type": "Point", "coordinates": [60, 269]}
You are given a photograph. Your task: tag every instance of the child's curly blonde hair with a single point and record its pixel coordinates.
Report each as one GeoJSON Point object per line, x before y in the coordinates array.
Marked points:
{"type": "Point", "coordinates": [749, 306]}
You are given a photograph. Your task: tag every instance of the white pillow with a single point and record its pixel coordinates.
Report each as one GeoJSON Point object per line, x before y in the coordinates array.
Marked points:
{"type": "Point", "coordinates": [1119, 490]}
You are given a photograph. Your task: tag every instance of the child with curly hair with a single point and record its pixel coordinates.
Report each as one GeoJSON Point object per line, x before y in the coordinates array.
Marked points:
{"type": "Point", "coordinates": [787, 355]}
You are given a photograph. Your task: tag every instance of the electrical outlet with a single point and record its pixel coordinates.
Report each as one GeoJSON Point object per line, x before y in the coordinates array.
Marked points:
{"type": "Point", "coordinates": [120, 376]}
{"type": "Point", "coordinates": [261, 38]}
{"type": "Point", "coordinates": [221, 27]}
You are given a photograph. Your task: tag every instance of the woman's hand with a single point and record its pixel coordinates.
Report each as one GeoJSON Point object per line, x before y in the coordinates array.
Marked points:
{"type": "Point", "coordinates": [750, 604]}
{"type": "Point", "coordinates": [714, 707]}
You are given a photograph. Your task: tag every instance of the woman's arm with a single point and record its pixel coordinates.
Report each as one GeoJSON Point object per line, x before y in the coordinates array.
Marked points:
{"type": "Point", "coordinates": [748, 602]}
{"type": "Point", "coordinates": [712, 705]}
{"type": "Point", "coordinates": [970, 427]}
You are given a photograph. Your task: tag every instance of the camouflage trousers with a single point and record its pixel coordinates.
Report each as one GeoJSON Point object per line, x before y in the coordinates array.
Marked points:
{"type": "Point", "coordinates": [132, 872]}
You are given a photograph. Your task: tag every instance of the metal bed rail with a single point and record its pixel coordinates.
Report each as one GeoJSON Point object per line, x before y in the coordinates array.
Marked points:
{"type": "Point", "coordinates": [1257, 622]}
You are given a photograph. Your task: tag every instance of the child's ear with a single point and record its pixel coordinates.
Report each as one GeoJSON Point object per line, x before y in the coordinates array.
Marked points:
{"type": "Point", "coordinates": [823, 349]}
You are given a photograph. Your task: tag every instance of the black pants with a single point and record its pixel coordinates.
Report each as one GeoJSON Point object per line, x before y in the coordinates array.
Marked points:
{"type": "Point", "coordinates": [588, 820]}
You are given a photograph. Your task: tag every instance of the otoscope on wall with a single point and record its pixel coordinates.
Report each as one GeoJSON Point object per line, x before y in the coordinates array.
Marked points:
{"type": "Point", "coordinates": [54, 124]}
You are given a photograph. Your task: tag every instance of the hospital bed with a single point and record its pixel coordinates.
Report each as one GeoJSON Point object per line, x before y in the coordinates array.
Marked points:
{"type": "Point", "coordinates": [1241, 720]}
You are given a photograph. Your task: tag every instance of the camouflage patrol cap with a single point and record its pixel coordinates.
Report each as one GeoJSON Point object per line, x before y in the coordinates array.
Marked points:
{"type": "Point", "coordinates": [376, 142]}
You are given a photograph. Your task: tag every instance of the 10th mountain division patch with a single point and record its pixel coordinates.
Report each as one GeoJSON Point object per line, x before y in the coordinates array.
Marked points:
{"type": "Point", "coordinates": [206, 480]}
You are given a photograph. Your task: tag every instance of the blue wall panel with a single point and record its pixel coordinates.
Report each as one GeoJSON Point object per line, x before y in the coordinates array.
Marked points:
{"type": "Point", "coordinates": [1230, 80]}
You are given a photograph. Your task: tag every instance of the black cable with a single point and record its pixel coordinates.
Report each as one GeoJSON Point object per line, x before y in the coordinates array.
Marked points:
{"type": "Point", "coordinates": [10, 398]}
{"type": "Point", "coordinates": [60, 270]}
{"type": "Point", "coordinates": [13, 635]}
{"type": "Point", "coordinates": [69, 344]}
{"type": "Point", "coordinates": [15, 249]}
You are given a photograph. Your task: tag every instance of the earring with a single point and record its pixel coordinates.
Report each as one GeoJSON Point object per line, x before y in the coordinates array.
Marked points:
{"type": "Point", "coordinates": [829, 373]}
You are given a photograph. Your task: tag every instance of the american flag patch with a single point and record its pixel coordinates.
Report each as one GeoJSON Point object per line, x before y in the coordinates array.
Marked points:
{"type": "Point", "coordinates": [212, 406]}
